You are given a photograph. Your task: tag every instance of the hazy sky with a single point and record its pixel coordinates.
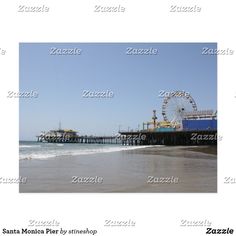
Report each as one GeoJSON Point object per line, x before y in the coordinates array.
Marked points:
{"type": "Point", "coordinates": [135, 81]}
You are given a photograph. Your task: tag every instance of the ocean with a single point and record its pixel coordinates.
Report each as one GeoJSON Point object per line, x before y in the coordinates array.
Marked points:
{"type": "Point", "coordinates": [66, 168]}
{"type": "Point", "coordinates": [36, 150]}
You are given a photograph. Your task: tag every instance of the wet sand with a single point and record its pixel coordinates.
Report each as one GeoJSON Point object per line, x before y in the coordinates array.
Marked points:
{"type": "Point", "coordinates": [193, 168]}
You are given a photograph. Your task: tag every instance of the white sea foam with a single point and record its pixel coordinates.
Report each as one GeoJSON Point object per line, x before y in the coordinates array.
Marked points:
{"type": "Point", "coordinates": [75, 152]}
{"type": "Point", "coordinates": [29, 146]}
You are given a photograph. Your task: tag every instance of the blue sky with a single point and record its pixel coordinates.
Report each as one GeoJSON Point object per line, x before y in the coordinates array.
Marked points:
{"type": "Point", "coordinates": [135, 81]}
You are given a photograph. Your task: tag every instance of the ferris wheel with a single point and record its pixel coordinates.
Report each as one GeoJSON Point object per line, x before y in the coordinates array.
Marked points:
{"type": "Point", "coordinates": [176, 104]}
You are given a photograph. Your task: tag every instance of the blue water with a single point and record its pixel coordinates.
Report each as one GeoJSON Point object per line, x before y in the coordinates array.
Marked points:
{"type": "Point", "coordinates": [36, 150]}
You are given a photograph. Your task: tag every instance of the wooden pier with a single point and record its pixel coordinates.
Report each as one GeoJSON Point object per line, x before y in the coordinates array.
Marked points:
{"type": "Point", "coordinates": [206, 137]}
{"type": "Point", "coordinates": [79, 139]}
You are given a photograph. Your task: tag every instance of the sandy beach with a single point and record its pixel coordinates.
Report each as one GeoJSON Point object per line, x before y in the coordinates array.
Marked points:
{"type": "Point", "coordinates": [163, 169]}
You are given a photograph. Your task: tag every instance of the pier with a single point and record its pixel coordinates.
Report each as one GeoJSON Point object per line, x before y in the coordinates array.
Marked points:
{"type": "Point", "coordinates": [198, 137]}
{"type": "Point", "coordinates": [79, 139]}
{"type": "Point", "coordinates": [186, 127]}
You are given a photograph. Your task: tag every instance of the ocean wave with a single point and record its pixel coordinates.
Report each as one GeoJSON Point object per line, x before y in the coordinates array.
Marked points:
{"type": "Point", "coordinates": [67, 153]}
{"type": "Point", "coordinates": [29, 146]}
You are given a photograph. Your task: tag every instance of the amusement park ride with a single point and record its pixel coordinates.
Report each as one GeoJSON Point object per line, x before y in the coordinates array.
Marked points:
{"type": "Point", "coordinates": [177, 107]}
